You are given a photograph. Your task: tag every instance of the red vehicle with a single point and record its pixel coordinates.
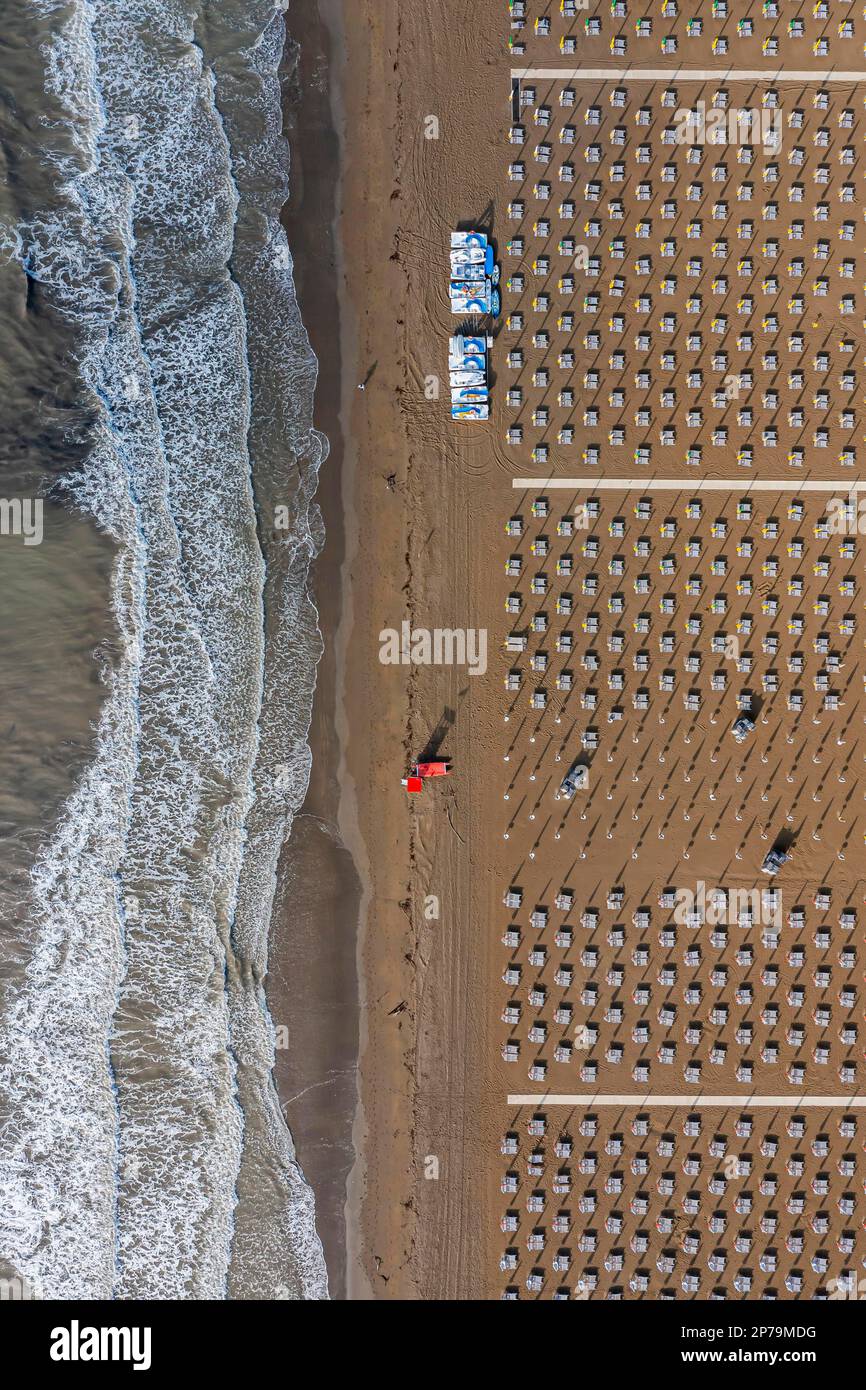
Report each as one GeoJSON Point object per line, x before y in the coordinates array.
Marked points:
{"type": "Point", "coordinates": [415, 781]}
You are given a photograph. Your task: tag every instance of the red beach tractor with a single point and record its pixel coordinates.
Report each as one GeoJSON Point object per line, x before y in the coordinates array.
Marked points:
{"type": "Point", "coordinates": [414, 783]}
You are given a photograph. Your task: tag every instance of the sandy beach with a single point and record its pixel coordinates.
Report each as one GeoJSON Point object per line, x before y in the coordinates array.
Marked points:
{"type": "Point", "coordinates": [365, 718]}
{"type": "Point", "coordinates": [417, 1189]}
{"type": "Point", "coordinates": [455, 987]}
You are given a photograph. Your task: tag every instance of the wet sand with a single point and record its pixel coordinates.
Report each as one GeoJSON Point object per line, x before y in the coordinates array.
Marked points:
{"type": "Point", "coordinates": [313, 982]}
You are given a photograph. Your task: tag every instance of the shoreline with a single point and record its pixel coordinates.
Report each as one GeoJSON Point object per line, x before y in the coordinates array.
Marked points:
{"type": "Point", "coordinates": [357, 1285]}
{"type": "Point", "coordinates": [313, 984]}
{"type": "Point", "coordinates": [363, 1198]}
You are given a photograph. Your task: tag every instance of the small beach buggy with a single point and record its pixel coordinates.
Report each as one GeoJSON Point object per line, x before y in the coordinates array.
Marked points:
{"type": "Point", "coordinates": [414, 783]}
{"type": "Point", "coordinates": [576, 779]}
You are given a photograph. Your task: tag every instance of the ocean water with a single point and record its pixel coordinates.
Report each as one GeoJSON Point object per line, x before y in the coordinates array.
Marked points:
{"type": "Point", "coordinates": [161, 401]}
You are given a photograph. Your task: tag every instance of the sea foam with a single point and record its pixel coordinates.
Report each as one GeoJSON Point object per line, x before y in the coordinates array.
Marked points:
{"type": "Point", "coordinates": [137, 1055]}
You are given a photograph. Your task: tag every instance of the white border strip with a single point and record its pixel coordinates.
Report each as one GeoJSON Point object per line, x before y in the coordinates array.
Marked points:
{"type": "Point", "coordinates": [682, 75]}
{"type": "Point", "coordinates": [699, 1101]}
{"type": "Point", "coordinates": [698, 485]}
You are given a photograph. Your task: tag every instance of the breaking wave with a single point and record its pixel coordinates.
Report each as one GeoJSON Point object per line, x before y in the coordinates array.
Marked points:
{"type": "Point", "coordinates": [137, 1047]}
